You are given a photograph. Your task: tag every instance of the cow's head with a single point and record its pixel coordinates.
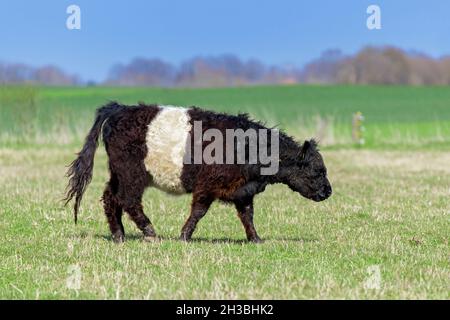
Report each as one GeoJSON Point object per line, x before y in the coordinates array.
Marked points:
{"type": "Point", "coordinates": [307, 173]}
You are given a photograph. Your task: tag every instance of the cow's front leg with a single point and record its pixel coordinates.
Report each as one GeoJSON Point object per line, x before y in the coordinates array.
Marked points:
{"type": "Point", "coordinates": [245, 214]}
{"type": "Point", "coordinates": [199, 207]}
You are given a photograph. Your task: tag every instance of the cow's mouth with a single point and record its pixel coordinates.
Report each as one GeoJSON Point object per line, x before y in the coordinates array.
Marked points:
{"type": "Point", "coordinates": [323, 195]}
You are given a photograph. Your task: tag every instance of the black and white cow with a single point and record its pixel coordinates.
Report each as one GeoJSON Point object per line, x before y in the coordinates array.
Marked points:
{"type": "Point", "coordinates": [151, 145]}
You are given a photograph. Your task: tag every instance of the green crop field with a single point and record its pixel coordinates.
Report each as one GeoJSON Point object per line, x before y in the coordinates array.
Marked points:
{"type": "Point", "coordinates": [394, 116]}
{"type": "Point", "coordinates": [383, 234]}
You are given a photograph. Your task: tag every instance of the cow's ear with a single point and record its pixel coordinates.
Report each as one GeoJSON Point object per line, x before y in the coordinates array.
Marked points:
{"type": "Point", "coordinates": [305, 148]}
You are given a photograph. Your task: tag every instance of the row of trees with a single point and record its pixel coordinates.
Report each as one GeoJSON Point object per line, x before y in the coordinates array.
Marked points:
{"type": "Point", "coordinates": [19, 73]}
{"type": "Point", "coordinates": [371, 65]}
{"type": "Point", "coordinates": [224, 70]}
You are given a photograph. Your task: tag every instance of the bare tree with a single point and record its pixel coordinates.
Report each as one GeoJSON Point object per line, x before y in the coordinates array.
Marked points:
{"type": "Point", "coordinates": [141, 71]}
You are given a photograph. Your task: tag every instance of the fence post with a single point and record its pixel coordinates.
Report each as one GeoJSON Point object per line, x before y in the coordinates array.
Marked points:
{"type": "Point", "coordinates": [358, 128]}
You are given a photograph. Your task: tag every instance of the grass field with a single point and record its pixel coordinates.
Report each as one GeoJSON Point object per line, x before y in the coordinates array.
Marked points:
{"type": "Point", "coordinates": [395, 117]}
{"type": "Point", "coordinates": [383, 234]}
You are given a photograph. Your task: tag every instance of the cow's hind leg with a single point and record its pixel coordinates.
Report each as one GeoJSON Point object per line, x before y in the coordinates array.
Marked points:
{"type": "Point", "coordinates": [199, 207]}
{"type": "Point", "coordinates": [133, 180]}
{"type": "Point", "coordinates": [113, 211]}
{"type": "Point", "coordinates": [144, 224]}
{"type": "Point", "coordinates": [245, 214]}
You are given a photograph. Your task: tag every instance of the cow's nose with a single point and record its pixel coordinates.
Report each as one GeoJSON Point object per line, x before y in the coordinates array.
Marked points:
{"type": "Point", "coordinates": [327, 192]}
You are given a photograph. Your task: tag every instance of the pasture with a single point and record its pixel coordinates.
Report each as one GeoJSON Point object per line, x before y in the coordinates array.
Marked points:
{"type": "Point", "coordinates": [383, 234]}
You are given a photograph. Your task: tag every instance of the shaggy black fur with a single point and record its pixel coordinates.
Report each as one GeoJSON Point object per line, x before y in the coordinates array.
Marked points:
{"type": "Point", "coordinates": [80, 171]}
{"type": "Point", "coordinates": [301, 167]}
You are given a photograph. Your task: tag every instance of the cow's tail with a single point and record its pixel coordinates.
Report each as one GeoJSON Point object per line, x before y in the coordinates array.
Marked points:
{"type": "Point", "coordinates": [80, 170]}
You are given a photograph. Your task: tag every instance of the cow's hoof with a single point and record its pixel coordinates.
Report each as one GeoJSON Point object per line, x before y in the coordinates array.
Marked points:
{"type": "Point", "coordinates": [185, 238]}
{"type": "Point", "coordinates": [152, 239]}
{"type": "Point", "coordinates": [118, 238]}
{"type": "Point", "coordinates": [256, 240]}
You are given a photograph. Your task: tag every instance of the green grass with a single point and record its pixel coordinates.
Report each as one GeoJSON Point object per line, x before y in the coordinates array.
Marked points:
{"type": "Point", "coordinates": [389, 211]}
{"type": "Point", "coordinates": [394, 116]}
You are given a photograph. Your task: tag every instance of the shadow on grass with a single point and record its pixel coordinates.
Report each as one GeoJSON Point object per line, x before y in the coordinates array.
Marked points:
{"type": "Point", "coordinates": [139, 237]}
{"type": "Point", "coordinates": [244, 241]}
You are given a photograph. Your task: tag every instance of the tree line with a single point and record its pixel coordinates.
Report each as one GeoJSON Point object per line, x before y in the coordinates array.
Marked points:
{"type": "Point", "coordinates": [371, 65]}
{"type": "Point", "coordinates": [19, 73]}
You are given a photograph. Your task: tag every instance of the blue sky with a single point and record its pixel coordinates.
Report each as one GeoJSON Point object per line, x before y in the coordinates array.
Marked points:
{"type": "Point", "coordinates": [279, 32]}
